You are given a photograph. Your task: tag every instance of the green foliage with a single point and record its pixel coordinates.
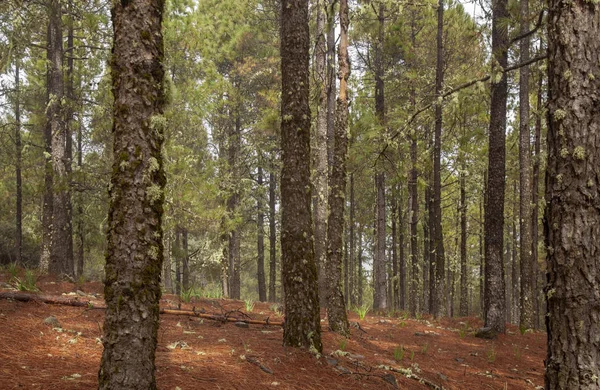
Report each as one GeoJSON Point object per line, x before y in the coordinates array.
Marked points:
{"type": "Point", "coordinates": [28, 282]}
{"type": "Point", "coordinates": [342, 345]}
{"type": "Point", "coordinates": [362, 311]}
{"type": "Point", "coordinates": [490, 353]}
{"type": "Point", "coordinates": [249, 305]}
{"type": "Point", "coordinates": [425, 348]}
{"type": "Point", "coordinates": [399, 353]}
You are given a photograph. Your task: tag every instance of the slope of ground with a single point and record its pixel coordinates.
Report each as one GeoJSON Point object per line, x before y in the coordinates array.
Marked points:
{"type": "Point", "coordinates": [197, 353]}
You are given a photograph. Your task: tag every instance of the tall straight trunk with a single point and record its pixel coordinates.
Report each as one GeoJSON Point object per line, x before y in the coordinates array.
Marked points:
{"type": "Point", "coordinates": [573, 215]}
{"type": "Point", "coordinates": [234, 141]}
{"type": "Point", "coordinates": [526, 305]}
{"type": "Point", "coordinates": [431, 254]}
{"type": "Point", "coordinates": [515, 299]}
{"type": "Point", "coordinates": [464, 272]}
{"type": "Point", "coordinates": [320, 152]}
{"type": "Point", "coordinates": [395, 290]}
{"type": "Point", "coordinates": [402, 265]}
{"type": "Point", "coordinates": [185, 276]}
{"type": "Point", "coordinates": [437, 184]}
{"type": "Point", "coordinates": [272, 240]}
{"type": "Point", "coordinates": [482, 200]}
{"type": "Point", "coordinates": [426, 250]}
{"type": "Point", "coordinates": [69, 128]}
{"type": "Point", "coordinates": [167, 276]}
{"type": "Point", "coordinates": [331, 83]}
{"type": "Point", "coordinates": [134, 254]}
{"type": "Point", "coordinates": [61, 254]}
{"type": "Point", "coordinates": [177, 254]}
{"type": "Point", "coordinates": [535, 201]}
{"type": "Point", "coordinates": [495, 306]}
{"type": "Point", "coordinates": [352, 266]}
{"type": "Point", "coordinates": [18, 164]}
{"type": "Point", "coordinates": [379, 273]}
{"type": "Point", "coordinates": [509, 261]}
{"type": "Point", "coordinates": [414, 219]}
{"type": "Point", "coordinates": [302, 321]}
{"type": "Point", "coordinates": [359, 276]}
{"type": "Point", "coordinates": [79, 228]}
{"type": "Point", "coordinates": [260, 245]}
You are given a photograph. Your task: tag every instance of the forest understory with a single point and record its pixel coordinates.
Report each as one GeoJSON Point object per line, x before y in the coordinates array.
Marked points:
{"type": "Point", "coordinates": [195, 353]}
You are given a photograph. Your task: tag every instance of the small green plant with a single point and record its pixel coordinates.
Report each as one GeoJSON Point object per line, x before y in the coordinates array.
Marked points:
{"type": "Point", "coordinates": [249, 305]}
{"type": "Point", "coordinates": [523, 329]}
{"type": "Point", "coordinates": [27, 283]}
{"type": "Point", "coordinates": [211, 291]}
{"type": "Point", "coordinates": [462, 332]}
{"type": "Point", "coordinates": [491, 354]}
{"type": "Point", "coordinates": [12, 269]}
{"type": "Point", "coordinates": [517, 351]}
{"type": "Point", "coordinates": [425, 348]}
{"type": "Point", "coordinates": [343, 344]}
{"type": "Point", "coordinates": [80, 282]}
{"type": "Point", "coordinates": [418, 316]}
{"type": "Point", "coordinates": [399, 353]}
{"type": "Point", "coordinates": [187, 295]}
{"type": "Point", "coordinates": [362, 311]}
{"type": "Point", "coordinates": [402, 324]}
{"type": "Point", "coordinates": [412, 355]}
{"type": "Point", "coordinates": [277, 309]}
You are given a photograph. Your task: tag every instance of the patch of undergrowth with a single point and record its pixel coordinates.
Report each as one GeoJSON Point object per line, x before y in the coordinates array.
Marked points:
{"type": "Point", "coordinates": [27, 283]}
{"type": "Point", "coordinates": [362, 311]}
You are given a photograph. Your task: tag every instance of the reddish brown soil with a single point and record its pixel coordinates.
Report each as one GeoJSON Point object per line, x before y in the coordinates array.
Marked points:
{"type": "Point", "coordinates": [217, 355]}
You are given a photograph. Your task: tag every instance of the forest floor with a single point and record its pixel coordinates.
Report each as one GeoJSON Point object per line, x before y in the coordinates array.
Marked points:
{"type": "Point", "coordinates": [195, 353]}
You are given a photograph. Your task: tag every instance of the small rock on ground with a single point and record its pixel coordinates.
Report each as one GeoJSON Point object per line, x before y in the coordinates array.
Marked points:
{"type": "Point", "coordinates": [52, 321]}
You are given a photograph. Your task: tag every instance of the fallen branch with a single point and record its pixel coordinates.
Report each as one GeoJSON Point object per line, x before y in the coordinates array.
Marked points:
{"type": "Point", "coordinates": [409, 374]}
{"type": "Point", "coordinates": [53, 300]}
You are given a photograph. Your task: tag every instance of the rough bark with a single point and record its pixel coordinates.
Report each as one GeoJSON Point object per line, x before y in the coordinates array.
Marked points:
{"type": "Point", "coordinates": [167, 277]}
{"type": "Point", "coordinates": [402, 259]}
{"type": "Point", "coordinates": [526, 306]}
{"type": "Point", "coordinates": [272, 240]}
{"type": "Point", "coordinates": [336, 303]}
{"type": "Point", "coordinates": [395, 291]}
{"type": "Point", "coordinates": [80, 215]}
{"type": "Point", "coordinates": [320, 151]}
{"type": "Point", "coordinates": [379, 273]}
{"type": "Point", "coordinates": [535, 203]}
{"type": "Point", "coordinates": [185, 269]}
{"type": "Point", "coordinates": [513, 291]}
{"type": "Point", "coordinates": [61, 252]}
{"type": "Point", "coordinates": [302, 322]}
{"type": "Point", "coordinates": [414, 219]}
{"type": "Point", "coordinates": [331, 83]}
{"type": "Point", "coordinates": [572, 220]}
{"type": "Point", "coordinates": [482, 200]}
{"type": "Point", "coordinates": [426, 250]}
{"type": "Point", "coordinates": [177, 254]}
{"type": "Point", "coordinates": [233, 151]}
{"type": "Point", "coordinates": [260, 245]}
{"type": "Point", "coordinates": [18, 164]}
{"type": "Point", "coordinates": [352, 267]}
{"type": "Point", "coordinates": [495, 306]}
{"type": "Point", "coordinates": [464, 298]}
{"type": "Point", "coordinates": [134, 239]}
{"type": "Point", "coordinates": [359, 276]}
{"type": "Point", "coordinates": [437, 183]}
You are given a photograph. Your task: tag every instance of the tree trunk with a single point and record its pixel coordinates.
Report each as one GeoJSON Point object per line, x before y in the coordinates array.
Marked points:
{"type": "Point", "coordinates": [379, 274]}
{"type": "Point", "coordinates": [414, 219]}
{"type": "Point", "coordinates": [321, 150]}
{"type": "Point", "coordinates": [395, 290]}
{"type": "Point", "coordinates": [18, 164]}
{"type": "Point", "coordinates": [61, 253]}
{"type": "Point", "coordinates": [402, 259]}
{"type": "Point", "coordinates": [167, 277]}
{"type": "Point", "coordinates": [234, 141]}
{"type": "Point", "coordinates": [272, 240]}
{"type": "Point", "coordinates": [526, 297]}
{"type": "Point", "coordinates": [177, 254]}
{"type": "Point", "coordinates": [135, 238]}
{"type": "Point", "coordinates": [359, 276]}
{"type": "Point", "coordinates": [260, 245]}
{"type": "Point", "coordinates": [573, 213]}
{"type": "Point", "coordinates": [426, 250]}
{"type": "Point", "coordinates": [495, 306]}
{"type": "Point", "coordinates": [514, 301]}
{"type": "Point", "coordinates": [352, 267]}
{"type": "Point", "coordinates": [302, 321]}
{"type": "Point", "coordinates": [437, 184]}
{"type": "Point", "coordinates": [464, 272]}
{"type": "Point", "coordinates": [336, 303]}
{"type": "Point", "coordinates": [535, 201]}
{"type": "Point", "coordinates": [185, 277]}
{"type": "Point", "coordinates": [482, 200]}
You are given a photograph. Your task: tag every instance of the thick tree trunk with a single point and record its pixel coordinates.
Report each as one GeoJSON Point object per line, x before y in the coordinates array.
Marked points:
{"type": "Point", "coordinates": [437, 183]}
{"type": "Point", "coordinates": [185, 276]}
{"type": "Point", "coordinates": [336, 303]}
{"type": "Point", "coordinates": [302, 321]}
{"type": "Point", "coordinates": [351, 265]}
{"type": "Point", "coordinates": [402, 258]}
{"type": "Point", "coordinates": [260, 245]}
{"type": "Point", "coordinates": [18, 164]}
{"type": "Point", "coordinates": [526, 305]}
{"type": "Point", "coordinates": [320, 152]}
{"type": "Point", "coordinates": [515, 282]}
{"type": "Point", "coordinates": [79, 228]}
{"type": "Point", "coordinates": [272, 240]}
{"type": "Point", "coordinates": [61, 253]}
{"type": "Point", "coordinates": [379, 274]}
{"type": "Point", "coordinates": [331, 80]}
{"type": "Point", "coordinates": [572, 224]}
{"type": "Point", "coordinates": [482, 200]}
{"type": "Point", "coordinates": [535, 203]}
{"type": "Point", "coordinates": [135, 237]}
{"type": "Point", "coordinates": [495, 305]}
{"type": "Point", "coordinates": [464, 272]}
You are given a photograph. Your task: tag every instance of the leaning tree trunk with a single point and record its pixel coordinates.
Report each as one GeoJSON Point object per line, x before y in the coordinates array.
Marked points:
{"type": "Point", "coordinates": [495, 305]}
{"type": "Point", "coordinates": [134, 252]}
{"type": "Point", "coordinates": [572, 223]}
{"type": "Point", "coordinates": [336, 307]}
{"type": "Point", "coordinates": [302, 321]}
{"type": "Point", "coordinates": [526, 305]}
